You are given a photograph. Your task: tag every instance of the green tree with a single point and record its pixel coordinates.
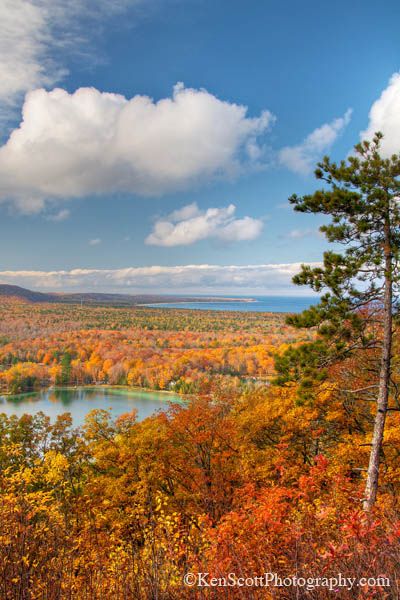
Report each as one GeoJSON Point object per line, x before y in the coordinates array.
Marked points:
{"type": "Point", "coordinates": [65, 375]}
{"type": "Point", "coordinates": [359, 282]}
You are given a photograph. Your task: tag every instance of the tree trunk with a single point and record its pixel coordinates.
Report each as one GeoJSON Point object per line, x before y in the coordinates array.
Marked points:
{"type": "Point", "coordinates": [371, 488]}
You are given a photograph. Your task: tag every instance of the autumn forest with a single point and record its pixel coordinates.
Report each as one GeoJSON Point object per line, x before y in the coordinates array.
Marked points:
{"type": "Point", "coordinates": [245, 476]}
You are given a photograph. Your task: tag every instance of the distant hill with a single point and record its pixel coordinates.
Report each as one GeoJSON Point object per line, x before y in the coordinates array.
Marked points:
{"type": "Point", "coordinates": [15, 291]}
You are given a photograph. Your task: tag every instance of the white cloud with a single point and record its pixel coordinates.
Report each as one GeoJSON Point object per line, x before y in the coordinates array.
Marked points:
{"type": "Point", "coordinates": [265, 278]}
{"type": "Point", "coordinates": [189, 225]}
{"type": "Point", "coordinates": [302, 158]}
{"type": "Point", "coordinates": [33, 31]}
{"type": "Point", "coordinates": [59, 216]}
{"type": "Point", "coordinates": [384, 116]}
{"type": "Point", "coordinates": [186, 212]}
{"type": "Point", "coordinates": [241, 229]}
{"type": "Point", "coordinates": [23, 37]}
{"type": "Point", "coordinates": [95, 242]}
{"type": "Point", "coordinates": [89, 142]}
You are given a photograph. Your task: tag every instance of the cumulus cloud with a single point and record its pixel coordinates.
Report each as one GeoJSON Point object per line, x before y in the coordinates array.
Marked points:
{"type": "Point", "coordinates": [384, 116]}
{"type": "Point", "coordinates": [189, 225]}
{"type": "Point", "coordinates": [90, 142]}
{"type": "Point", "coordinates": [33, 31]}
{"type": "Point", "coordinates": [265, 278]}
{"type": "Point", "coordinates": [302, 158]}
{"type": "Point", "coordinates": [95, 242]}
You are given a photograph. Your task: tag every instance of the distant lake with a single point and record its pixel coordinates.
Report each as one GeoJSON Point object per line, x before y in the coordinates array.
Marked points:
{"type": "Point", "coordinates": [80, 401]}
{"type": "Point", "coordinates": [285, 304]}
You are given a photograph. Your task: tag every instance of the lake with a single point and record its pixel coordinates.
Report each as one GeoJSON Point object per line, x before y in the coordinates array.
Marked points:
{"type": "Point", "coordinates": [285, 304]}
{"type": "Point", "coordinates": [79, 401]}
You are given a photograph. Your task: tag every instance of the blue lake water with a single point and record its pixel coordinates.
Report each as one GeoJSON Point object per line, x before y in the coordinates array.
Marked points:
{"type": "Point", "coordinates": [80, 401]}
{"type": "Point", "coordinates": [285, 304]}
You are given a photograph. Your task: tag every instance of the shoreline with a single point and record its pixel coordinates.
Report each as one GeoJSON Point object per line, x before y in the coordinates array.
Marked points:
{"type": "Point", "coordinates": [200, 301]}
{"type": "Point", "coordinates": [122, 388]}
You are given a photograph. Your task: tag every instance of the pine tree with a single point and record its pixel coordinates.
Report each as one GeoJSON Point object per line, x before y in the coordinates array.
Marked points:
{"type": "Point", "coordinates": [65, 375]}
{"type": "Point", "coordinates": [359, 283]}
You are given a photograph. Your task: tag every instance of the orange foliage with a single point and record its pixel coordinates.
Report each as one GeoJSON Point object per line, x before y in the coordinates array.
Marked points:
{"type": "Point", "coordinates": [239, 479]}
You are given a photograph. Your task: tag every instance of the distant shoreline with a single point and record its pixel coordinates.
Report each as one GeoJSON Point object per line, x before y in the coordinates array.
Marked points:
{"type": "Point", "coordinates": [201, 300]}
{"type": "Point", "coordinates": [261, 304]}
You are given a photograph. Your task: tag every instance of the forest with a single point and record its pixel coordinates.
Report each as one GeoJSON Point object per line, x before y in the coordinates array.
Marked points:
{"type": "Point", "coordinates": [175, 350]}
{"type": "Point", "coordinates": [243, 478]}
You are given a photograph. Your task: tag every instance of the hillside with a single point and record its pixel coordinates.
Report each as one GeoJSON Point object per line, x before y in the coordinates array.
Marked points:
{"type": "Point", "coordinates": [15, 291]}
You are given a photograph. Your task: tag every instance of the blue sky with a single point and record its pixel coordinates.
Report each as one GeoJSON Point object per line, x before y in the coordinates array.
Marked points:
{"type": "Point", "coordinates": [139, 190]}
